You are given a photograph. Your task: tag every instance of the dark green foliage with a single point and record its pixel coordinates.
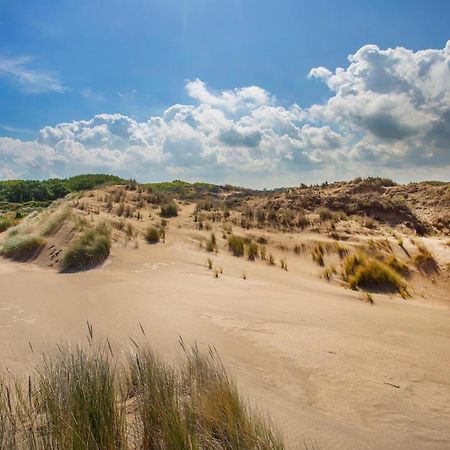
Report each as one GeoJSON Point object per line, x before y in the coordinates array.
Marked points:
{"type": "Point", "coordinates": [90, 249]}
{"type": "Point", "coordinates": [21, 191]}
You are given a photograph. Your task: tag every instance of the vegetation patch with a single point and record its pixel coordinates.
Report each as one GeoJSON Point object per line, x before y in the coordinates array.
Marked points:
{"type": "Point", "coordinates": [169, 209]}
{"type": "Point", "coordinates": [152, 235]}
{"type": "Point", "coordinates": [79, 399]}
{"type": "Point", "coordinates": [236, 245]}
{"type": "Point", "coordinates": [425, 261]}
{"type": "Point", "coordinates": [55, 222]}
{"type": "Point", "coordinates": [90, 249]}
{"type": "Point", "coordinates": [369, 273]}
{"type": "Point", "coordinates": [6, 222]}
{"type": "Point", "coordinates": [22, 247]}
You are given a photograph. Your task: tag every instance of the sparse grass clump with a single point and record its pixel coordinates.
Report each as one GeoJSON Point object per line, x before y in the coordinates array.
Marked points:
{"type": "Point", "coordinates": [211, 243]}
{"type": "Point", "coordinates": [252, 251]}
{"type": "Point", "coordinates": [152, 235]}
{"type": "Point", "coordinates": [236, 245]}
{"type": "Point", "coordinates": [90, 249]}
{"type": "Point", "coordinates": [169, 209]}
{"type": "Point", "coordinates": [53, 225]}
{"type": "Point", "coordinates": [369, 273]}
{"type": "Point", "coordinates": [21, 246]}
{"type": "Point", "coordinates": [329, 272]}
{"type": "Point", "coordinates": [398, 265]}
{"type": "Point", "coordinates": [425, 261]}
{"type": "Point", "coordinates": [318, 254]}
{"type": "Point", "coordinates": [6, 222]}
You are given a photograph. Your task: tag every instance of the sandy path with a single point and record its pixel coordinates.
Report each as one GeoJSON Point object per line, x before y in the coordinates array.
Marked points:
{"type": "Point", "coordinates": [310, 352]}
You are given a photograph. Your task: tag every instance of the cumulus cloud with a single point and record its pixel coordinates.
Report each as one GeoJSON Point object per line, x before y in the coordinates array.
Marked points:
{"type": "Point", "coordinates": [388, 113]}
{"type": "Point", "coordinates": [27, 79]}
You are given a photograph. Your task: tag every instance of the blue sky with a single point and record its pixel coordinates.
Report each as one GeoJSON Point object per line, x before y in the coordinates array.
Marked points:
{"type": "Point", "coordinates": [64, 61]}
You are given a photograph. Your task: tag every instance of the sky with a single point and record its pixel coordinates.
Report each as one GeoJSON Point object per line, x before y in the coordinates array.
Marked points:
{"type": "Point", "coordinates": [251, 92]}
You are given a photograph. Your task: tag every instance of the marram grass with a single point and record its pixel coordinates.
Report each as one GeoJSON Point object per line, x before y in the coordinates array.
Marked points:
{"type": "Point", "coordinates": [83, 398]}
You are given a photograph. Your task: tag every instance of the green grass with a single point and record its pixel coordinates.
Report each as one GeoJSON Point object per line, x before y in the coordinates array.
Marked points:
{"type": "Point", "coordinates": [369, 273]}
{"type": "Point", "coordinates": [236, 245]}
{"type": "Point", "coordinates": [6, 222]}
{"type": "Point", "coordinates": [152, 235]}
{"type": "Point", "coordinates": [90, 249]}
{"type": "Point", "coordinates": [82, 398]}
{"type": "Point", "coordinates": [21, 246]}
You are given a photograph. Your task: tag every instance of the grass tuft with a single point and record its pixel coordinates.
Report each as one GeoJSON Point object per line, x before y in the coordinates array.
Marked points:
{"type": "Point", "coordinates": [236, 245]}
{"type": "Point", "coordinates": [22, 247]}
{"type": "Point", "coordinates": [152, 235]}
{"type": "Point", "coordinates": [90, 249]}
{"type": "Point", "coordinates": [369, 273]}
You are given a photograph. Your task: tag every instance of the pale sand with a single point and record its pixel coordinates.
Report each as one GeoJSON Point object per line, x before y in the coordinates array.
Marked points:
{"type": "Point", "coordinates": [309, 352]}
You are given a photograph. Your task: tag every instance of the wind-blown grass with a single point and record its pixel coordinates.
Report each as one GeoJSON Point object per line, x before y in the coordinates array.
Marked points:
{"type": "Point", "coordinates": [53, 225]}
{"type": "Point", "coordinates": [90, 249]}
{"type": "Point", "coordinates": [365, 272]}
{"type": "Point", "coordinates": [22, 247]}
{"type": "Point", "coordinates": [81, 398]}
{"type": "Point", "coordinates": [6, 222]}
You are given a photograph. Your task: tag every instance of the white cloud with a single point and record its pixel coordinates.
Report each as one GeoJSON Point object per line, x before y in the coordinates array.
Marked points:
{"type": "Point", "coordinates": [27, 79]}
{"type": "Point", "coordinates": [389, 114]}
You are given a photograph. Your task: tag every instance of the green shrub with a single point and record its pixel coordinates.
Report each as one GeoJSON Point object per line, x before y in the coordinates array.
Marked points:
{"type": "Point", "coordinates": [22, 247]}
{"type": "Point", "coordinates": [152, 235]}
{"type": "Point", "coordinates": [236, 245]}
{"type": "Point", "coordinates": [90, 249]}
{"type": "Point", "coordinates": [169, 209]}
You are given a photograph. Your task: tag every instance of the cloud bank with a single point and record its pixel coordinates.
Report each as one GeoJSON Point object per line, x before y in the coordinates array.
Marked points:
{"type": "Point", "coordinates": [388, 114]}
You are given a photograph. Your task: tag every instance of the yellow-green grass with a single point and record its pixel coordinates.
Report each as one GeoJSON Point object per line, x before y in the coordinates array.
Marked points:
{"type": "Point", "coordinates": [362, 271]}
{"type": "Point", "coordinates": [83, 398]}
{"type": "Point", "coordinates": [22, 246]}
{"type": "Point", "coordinates": [152, 235]}
{"type": "Point", "coordinates": [90, 249]}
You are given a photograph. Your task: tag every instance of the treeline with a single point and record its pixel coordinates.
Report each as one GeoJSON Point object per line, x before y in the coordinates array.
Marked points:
{"type": "Point", "coordinates": [22, 191]}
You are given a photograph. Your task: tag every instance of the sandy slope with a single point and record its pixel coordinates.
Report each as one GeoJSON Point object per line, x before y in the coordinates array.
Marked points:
{"type": "Point", "coordinates": [309, 351]}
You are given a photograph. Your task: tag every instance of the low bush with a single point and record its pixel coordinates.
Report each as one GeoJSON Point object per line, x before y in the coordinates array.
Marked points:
{"type": "Point", "coordinates": [152, 235]}
{"type": "Point", "coordinates": [169, 209]}
{"type": "Point", "coordinates": [90, 249]}
{"type": "Point", "coordinates": [236, 245]}
{"type": "Point", "coordinates": [22, 247]}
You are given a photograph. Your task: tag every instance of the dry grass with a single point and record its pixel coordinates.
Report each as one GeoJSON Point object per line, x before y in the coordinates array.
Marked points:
{"type": "Point", "coordinates": [152, 235]}
{"type": "Point", "coordinates": [6, 222]}
{"type": "Point", "coordinates": [82, 398]}
{"type": "Point", "coordinates": [365, 272]}
{"type": "Point", "coordinates": [55, 222]}
{"type": "Point", "coordinates": [236, 245]}
{"type": "Point", "coordinates": [425, 261]}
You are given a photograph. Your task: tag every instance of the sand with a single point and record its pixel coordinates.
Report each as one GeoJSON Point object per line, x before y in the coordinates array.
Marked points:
{"type": "Point", "coordinates": [332, 370]}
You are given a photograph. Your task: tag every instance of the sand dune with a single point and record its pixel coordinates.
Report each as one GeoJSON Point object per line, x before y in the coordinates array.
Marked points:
{"type": "Point", "coordinates": [334, 371]}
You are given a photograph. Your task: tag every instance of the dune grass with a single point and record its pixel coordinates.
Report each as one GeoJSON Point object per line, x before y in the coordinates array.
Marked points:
{"type": "Point", "coordinates": [21, 246]}
{"type": "Point", "coordinates": [55, 222]}
{"type": "Point", "coordinates": [152, 235]}
{"type": "Point", "coordinates": [425, 261]}
{"type": "Point", "coordinates": [6, 222]}
{"type": "Point", "coordinates": [83, 398]}
{"type": "Point", "coordinates": [365, 272]}
{"type": "Point", "coordinates": [90, 249]}
{"type": "Point", "coordinates": [236, 245]}
{"type": "Point", "coordinates": [169, 209]}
